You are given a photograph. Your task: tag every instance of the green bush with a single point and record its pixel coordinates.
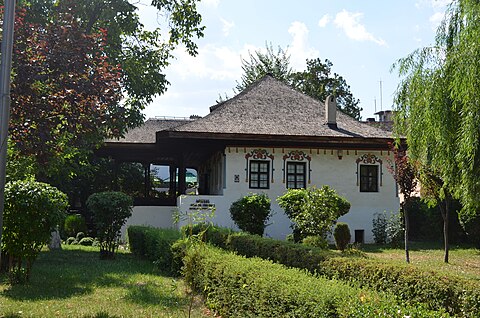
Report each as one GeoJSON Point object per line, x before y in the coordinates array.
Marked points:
{"type": "Point", "coordinates": [457, 296]}
{"type": "Point", "coordinates": [71, 240]}
{"type": "Point", "coordinates": [313, 211]}
{"type": "Point", "coordinates": [342, 235]}
{"type": "Point", "coordinates": [251, 213]}
{"type": "Point", "coordinates": [379, 228]}
{"type": "Point", "coordinates": [212, 234]}
{"type": "Point", "coordinates": [73, 224]}
{"type": "Point", "coordinates": [283, 252]}
{"type": "Point", "coordinates": [86, 241]}
{"type": "Point", "coordinates": [110, 212]}
{"type": "Point", "coordinates": [315, 241]}
{"type": "Point", "coordinates": [153, 244]}
{"type": "Point", "coordinates": [234, 286]}
{"type": "Point", "coordinates": [33, 210]}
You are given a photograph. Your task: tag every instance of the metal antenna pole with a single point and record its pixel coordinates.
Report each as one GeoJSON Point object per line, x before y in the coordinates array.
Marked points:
{"type": "Point", "coordinates": [5, 71]}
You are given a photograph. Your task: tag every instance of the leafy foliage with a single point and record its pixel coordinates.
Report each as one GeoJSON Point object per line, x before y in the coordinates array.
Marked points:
{"type": "Point", "coordinates": [316, 81]}
{"type": "Point", "coordinates": [438, 103]}
{"type": "Point", "coordinates": [74, 223]}
{"type": "Point", "coordinates": [110, 211]}
{"type": "Point", "coordinates": [33, 210]}
{"type": "Point", "coordinates": [251, 213]}
{"type": "Point", "coordinates": [342, 235]}
{"type": "Point", "coordinates": [313, 211]}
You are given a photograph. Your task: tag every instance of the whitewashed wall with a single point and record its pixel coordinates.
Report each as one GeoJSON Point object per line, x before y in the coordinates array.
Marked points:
{"type": "Point", "coordinates": [326, 169]}
{"type": "Point", "coordinates": [156, 216]}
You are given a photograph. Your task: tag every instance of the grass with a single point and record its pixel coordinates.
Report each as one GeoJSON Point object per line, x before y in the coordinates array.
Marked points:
{"type": "Point", "coordinates": [74, 282]}
{"type": "Point", "coordinates": [464, 261]}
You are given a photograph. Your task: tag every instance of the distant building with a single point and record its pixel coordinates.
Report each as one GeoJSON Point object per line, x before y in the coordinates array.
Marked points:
{"type": "Point", "coordinates": [383, 121]}
{"type": "Point", "coordinates": [267, 139]}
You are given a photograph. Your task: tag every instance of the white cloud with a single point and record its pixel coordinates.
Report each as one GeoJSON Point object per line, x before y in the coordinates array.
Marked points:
{"type": "Point", "coordinates": [227, 25]}
{"type": "Point", "coordinates": [436, 19]}
{"type": "Point", "coordinates": [299, 49]}
{"type": "Point", "coordinates": [349, 22]}
{"type": "Point", "coordinates": [324, 21]}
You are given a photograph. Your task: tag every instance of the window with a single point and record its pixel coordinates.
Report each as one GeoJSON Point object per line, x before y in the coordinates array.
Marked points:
{"type": "Point", "coordinates": [296, 175]}
{"type": "Point", "coordinates": [259, 171]}
{"type": "Point", "coordinates": [368, 178]}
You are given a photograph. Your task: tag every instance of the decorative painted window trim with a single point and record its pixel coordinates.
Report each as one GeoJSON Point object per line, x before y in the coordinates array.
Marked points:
{"type": "Point", "coordinates": [258, 154]}
{"type": "Point", "coordinates": [296, 155]}
{"type": "Point", "coordinates": [369, 159]}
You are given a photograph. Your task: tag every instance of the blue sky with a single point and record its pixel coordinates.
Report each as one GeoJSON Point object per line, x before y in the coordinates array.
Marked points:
{"type": "Point", "coordinates": [361, 38]}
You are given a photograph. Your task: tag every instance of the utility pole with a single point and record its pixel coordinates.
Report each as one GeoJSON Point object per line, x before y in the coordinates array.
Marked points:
{"type": "Point", "coordinates": [5, 71]}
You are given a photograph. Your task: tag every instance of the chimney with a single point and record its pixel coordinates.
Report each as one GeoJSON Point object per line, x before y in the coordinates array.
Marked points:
{"type": "Point", "coordinates": [331, 112]}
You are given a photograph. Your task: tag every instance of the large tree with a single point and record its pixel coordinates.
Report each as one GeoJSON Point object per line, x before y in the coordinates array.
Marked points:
{"type": "Point", "coordinates": [438, 105]}
{"type": "Point", "coordinates": [316, 81]}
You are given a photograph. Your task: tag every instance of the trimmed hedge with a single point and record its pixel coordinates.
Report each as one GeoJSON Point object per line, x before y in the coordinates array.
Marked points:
{"type": "Point", "coordinates": [235, 286]}
{"type": "Point", "coordinates": [283, 252]}
{"type": "Point", "coordinates": [212, 234]}
{"type": "Point", "coordinates": [459, 297]}
{"type": "Point", "coordinates": [153, 244]}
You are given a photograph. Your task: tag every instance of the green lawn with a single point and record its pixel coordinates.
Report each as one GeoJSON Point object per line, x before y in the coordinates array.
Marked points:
{"type": "Point", "coordinates": [73, 282]}
{"type": "Point", "coordinates": [463, 261]}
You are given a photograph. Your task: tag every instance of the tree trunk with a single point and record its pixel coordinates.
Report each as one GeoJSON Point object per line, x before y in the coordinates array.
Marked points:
{"type": "Point", "coordinates": [405, 215]}
{"type": "Point", "coordinates": [445, 212]}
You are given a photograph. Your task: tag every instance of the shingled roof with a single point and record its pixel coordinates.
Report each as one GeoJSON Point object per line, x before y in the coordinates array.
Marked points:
{"type": "Point", "coordinates": [271, 107]}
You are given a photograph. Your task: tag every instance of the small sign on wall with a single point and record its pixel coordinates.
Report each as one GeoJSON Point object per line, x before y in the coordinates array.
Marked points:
{"type": "Point", "coordinates": [236, 178]}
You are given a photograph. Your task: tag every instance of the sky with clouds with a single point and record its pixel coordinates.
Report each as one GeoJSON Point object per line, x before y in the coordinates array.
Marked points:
{"type": "Point", "coordinates": [361, 38]}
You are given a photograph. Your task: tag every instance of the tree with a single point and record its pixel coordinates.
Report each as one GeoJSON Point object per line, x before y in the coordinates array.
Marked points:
{"type": "Point", "coordinates": [275, 63]}
{"type": "Point", "coordinates": [438, 105]}
{"type": "Point", "coordinates": [313, 211]}
{"type": "Point", "coordinates": [65, 95]}
{"type": "Point", "coordinates": [316, 81]}
{"type": "Point", "coordinates": [405, 175]}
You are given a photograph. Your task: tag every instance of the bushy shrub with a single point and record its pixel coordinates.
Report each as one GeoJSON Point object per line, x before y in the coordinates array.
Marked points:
{"type": "Point", "coordinates": [33, 210]}
{"type": "Point", "coordinates": [342, 235]}
{"type": "Point", "coordinates": [86, 241]}
{"type": "Point", "coordinates": [315, 241]}
{"type": "Point", "coordinates": [379, 228]}
{"type": "Point", "coordinates": [313, 211]}
{"type": "Point", "coordinates": [110, 212]}
{"type": "Point", "coordinates": [71, 240]}
{"type": "Point", "coordinates": [251, 213]}
{"type": "Point", "coordinates": [153, 244]}
{"type": "Point", "coordinates": [283, 252]}
{"type": "Point", "coordinates": [237, 287]}
{"type": "Point", "coordinates": [212, 234]}
{"type": "Point", "coordinates": [388, 229]}
{"type": "Point", "coordinates": [460, 297]}
{"type": "Point", "coordinates": [73, 224]}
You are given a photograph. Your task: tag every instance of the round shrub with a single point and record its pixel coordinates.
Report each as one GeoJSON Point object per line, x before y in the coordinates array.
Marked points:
{"type": "Point", "coordinates": [33, 210]}
{"type": "Point", "coordinates": [110, 212]}
{"type": "Point", "coordinates": [251, 213]}
{"type": "Point", "coordinates": [71, 240]}
{"type": "Point", "coordinates": [342, 235]}
{"type": "Point", "coordinates": [73, 224]}
{"type": "Point", "coordinates": [86, 241]}
{"type": "Point", "coordinates": [315, 241]}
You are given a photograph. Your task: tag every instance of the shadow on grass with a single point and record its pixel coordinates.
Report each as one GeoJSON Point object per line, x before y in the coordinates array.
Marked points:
{"type": "Point", "coordinates": [413, 246]}
{"type": "Point", "coordinates": [152, 294]}
{"type": "Point", "coordinates": [65, 273]}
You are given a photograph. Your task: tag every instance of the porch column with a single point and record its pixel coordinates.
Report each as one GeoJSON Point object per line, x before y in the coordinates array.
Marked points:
{"type": "Point", "coordinates": [182, 175]}
{"type": "Point", "coordinates": [172, 189]}
{"type": "Point", "coordinates": [146, 169]}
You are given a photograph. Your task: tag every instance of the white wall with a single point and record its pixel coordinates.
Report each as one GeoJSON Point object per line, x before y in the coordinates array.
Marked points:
{"type": "Point", "coordinates": [156, 216]}
{"type": "Point", "coordinates": [327, 169]}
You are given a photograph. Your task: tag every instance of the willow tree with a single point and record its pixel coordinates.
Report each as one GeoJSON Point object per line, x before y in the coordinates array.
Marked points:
{"type": "Point", "coordinates": [438, 105]}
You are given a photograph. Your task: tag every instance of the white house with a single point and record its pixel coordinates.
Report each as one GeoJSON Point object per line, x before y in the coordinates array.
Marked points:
{"type": "Point", "coordinates": [266, 139]}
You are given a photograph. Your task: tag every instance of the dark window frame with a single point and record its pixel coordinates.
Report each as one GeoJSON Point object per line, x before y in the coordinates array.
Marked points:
{"type": "Point", "coordinates": [258, 173]}
{"type": "Point", "coordinates": [295, 175]}
{"type": "Point", "coordinates": [369, 181]}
